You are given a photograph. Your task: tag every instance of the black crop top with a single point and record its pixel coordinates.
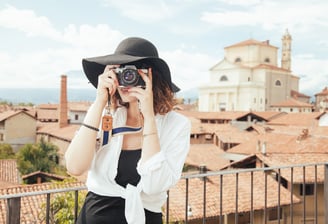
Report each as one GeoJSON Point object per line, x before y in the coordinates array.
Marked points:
{"type": "Point", "coordinates": [127, 168]}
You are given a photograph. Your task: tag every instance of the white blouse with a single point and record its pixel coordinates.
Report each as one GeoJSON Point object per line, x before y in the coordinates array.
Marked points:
{"type": "Point", "coordinates": [158, 174]}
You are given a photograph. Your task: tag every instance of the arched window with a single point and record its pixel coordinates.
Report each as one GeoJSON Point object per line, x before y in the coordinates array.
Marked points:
{"type": "Point", "coordinates": [238, 59]}
{"type": "Point", "coordinates": [278, 83]}
{"type": "Point", "coordinates": [267, 60]}
{"type": "Point", "coordinates": [223, 78]}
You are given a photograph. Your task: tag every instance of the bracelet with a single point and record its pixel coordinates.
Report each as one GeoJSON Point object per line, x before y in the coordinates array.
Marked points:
{"type": "Point", "coordinates": [90, 127]}
{"type": "Point", "coordinates": [152, 133]}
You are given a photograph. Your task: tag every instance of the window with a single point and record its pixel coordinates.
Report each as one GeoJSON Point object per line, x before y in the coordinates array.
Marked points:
{"type": "Point", "coordinates": [223, 78]}
{"type": "Point", "coordinates": [238, 60]}
{"type": "Point", "coordinates": [76, 117]}
{"type": "Point", "coordinates": [267, 60]}
{"type": "Point", "coordinates": [309, 189]}
{"type": "Point", "coordinates": [195, 136]}
{"type": "Point", "coordinates": [222, 106]}
{"type": "Point", "coordinates": [273, 214]}
{"type": "Point", "coordinates": [1, 137]}
{"type": "Point", "coordinates": [278, 83]}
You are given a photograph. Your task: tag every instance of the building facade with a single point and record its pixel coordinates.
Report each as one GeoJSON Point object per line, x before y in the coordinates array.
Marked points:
{"type": "Point", "coordinates": [17, 128]}
{"type": "Point", "coordinates": [321, 100]}
{"type": "Point", "coordinates": [249, 78]}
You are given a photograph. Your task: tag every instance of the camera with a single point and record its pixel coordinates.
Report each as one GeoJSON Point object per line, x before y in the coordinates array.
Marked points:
{"type": "Point", "coordinates": [129, 76]}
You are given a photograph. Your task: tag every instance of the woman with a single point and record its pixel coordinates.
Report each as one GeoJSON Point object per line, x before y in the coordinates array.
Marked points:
{"type": "Point", "coordinates": [142, 153]}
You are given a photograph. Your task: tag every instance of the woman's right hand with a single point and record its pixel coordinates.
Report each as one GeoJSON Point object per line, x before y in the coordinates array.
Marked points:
{"type": "Point", "coordinates": [107, 84]}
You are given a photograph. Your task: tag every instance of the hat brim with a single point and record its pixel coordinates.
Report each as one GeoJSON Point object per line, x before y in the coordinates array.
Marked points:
{"type": "Point", "coordinates": [95, 66]}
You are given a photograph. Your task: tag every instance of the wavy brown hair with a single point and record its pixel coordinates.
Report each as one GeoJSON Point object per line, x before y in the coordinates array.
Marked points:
{"type": "Point", "coordinates": [163, 96]}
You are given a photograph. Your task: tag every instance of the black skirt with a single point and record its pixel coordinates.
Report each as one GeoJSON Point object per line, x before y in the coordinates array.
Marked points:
{"type": "Point", "coordinates": [98, 209]}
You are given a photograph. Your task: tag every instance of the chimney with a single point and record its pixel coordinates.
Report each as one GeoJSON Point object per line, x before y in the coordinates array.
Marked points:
{"type": "Point", "coordinates": [202, 168]}
{"type": "Point", "coordinates": [303, 135]}
{"type": "Point", "coordinates": [63, 120]}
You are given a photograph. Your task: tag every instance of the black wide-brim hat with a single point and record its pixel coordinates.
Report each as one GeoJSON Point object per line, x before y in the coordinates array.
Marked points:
{"type": "Point", "coordinates": [130, 50]}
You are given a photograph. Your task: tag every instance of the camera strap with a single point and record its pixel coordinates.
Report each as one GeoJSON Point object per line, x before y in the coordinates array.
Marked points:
{"type": "Point", "coordinates": [107, 123]}
{"type": "Point", "coordinates": [107, 126]}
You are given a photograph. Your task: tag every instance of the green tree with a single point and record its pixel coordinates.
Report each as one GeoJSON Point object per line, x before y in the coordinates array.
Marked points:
{"type": "Point", "coordinates": [6, 151]}
{"type": "Point", "coordinates": [37, 157]}
{"type": "Point", "coordinates": [62, 206]}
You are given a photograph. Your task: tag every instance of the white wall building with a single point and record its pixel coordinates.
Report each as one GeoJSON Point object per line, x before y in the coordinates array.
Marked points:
{"type": "Point", "coordinates": [249, 78]}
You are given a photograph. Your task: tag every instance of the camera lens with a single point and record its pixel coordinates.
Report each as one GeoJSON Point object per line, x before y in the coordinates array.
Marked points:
{"type": "Point", "coordinates": [130, 77]}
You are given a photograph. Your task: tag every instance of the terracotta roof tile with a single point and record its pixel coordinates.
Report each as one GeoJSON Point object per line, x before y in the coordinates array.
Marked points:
{"type": "Point", "coordinates": [251, 42]}
{"type": "Point", "coordinates": [10, 113]}
{"type": "Point", "coordinates": [40, 173]}
{"type": "Point", "coordinates": [298, 119]}
{"type": "Point", "coordinates": [279, 159]}
{"type": "Point", "coordinates": [47, 114]}
{"type": "Point", "coordinates": [49, 106]}
{"type": "Point", "coordinates": [195, 196]}
{"type": "Point", "coordinates": [324, 92]}
{"type": "Point", "coordinates": [229, 134]}
{"type": "Point", "coordinates": [9, 174]}
{"type": "Point", "coordinates": [268, 115]}
{"type": "Point", "coordinates": [206, 154]}
{"type": "Point", "coordinates": [50, 111]}
{"type": "Point", "coordinates": [31, 206]}
{"type": "Point", "coordinates": [297, 94]}
{"type": "Point", "coordinates": [66, 133]}
{"type": "Point", "coordinates": [291, 102]}
{"type": "Point", "coordinates": [223, 115]}
{"type": "Point", "coordinates": [79, 106]}
{"type": "Point", "coordinates": [284, 143]}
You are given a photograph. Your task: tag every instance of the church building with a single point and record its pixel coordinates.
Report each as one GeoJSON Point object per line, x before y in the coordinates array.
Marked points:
{"type": "Point", "coordinates": [249, 77]}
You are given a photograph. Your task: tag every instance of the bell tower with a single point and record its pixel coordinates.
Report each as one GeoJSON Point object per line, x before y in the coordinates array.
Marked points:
{"type": "Point", "coordinates": [286, 51]}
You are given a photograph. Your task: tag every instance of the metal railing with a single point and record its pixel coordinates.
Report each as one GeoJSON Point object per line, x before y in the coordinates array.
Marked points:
{"type": "Point", "coordinates": [298, 209]}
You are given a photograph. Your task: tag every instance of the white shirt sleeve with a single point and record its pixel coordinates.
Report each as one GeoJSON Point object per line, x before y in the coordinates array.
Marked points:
{"type": "Point", "coordinates": [163, 170]}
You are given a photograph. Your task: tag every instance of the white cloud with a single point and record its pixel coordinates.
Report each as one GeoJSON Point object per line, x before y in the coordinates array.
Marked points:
{"type": "Point", "coordinates": [241, 2]}
{"type": "Point", "coordinates": [42, 67]}
{"type": "Point", "coordinates": [313, 72]}
{"type": "Point", "coordinates": [189, 69]}
{"type": "Point", "coordinates": [143, 10]}
{"type": "Point", "coordinates": [27, 21]}
{"type": "Point", "coordinates": [271, 14]}
{"type": "Point", "coordinates": [102, 36]}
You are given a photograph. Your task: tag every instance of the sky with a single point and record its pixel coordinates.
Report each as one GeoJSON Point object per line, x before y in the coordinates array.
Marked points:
{"type": "Point", "coordinates": [44, 39]}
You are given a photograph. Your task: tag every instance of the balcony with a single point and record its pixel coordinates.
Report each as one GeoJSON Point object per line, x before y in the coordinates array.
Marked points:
{"type": "Point", "coordinates": [282, 194]}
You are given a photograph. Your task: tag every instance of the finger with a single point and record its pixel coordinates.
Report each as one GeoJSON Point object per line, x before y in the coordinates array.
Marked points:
{"type": "Point", "coordinates": [108, 81]}
{"type": "Point", "coordinates": [146, 77]}
{"type": "Point", "coordinates": [110, 67]}
{"type": "Point", "coordinates": [110, 76]}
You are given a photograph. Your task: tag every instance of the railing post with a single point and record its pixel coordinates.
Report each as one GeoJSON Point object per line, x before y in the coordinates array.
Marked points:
{"type": "Point", "coordinates": [326, 193]}
{"type": "Point", "coordinates": [13, 210]}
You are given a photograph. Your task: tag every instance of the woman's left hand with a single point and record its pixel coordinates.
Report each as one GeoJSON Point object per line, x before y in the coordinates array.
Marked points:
{"type": "Point", "coordinates": [144, 95]}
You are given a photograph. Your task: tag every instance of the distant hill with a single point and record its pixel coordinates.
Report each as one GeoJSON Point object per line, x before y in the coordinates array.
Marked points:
{"type": "Point", "coordinates": [51, 95]}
